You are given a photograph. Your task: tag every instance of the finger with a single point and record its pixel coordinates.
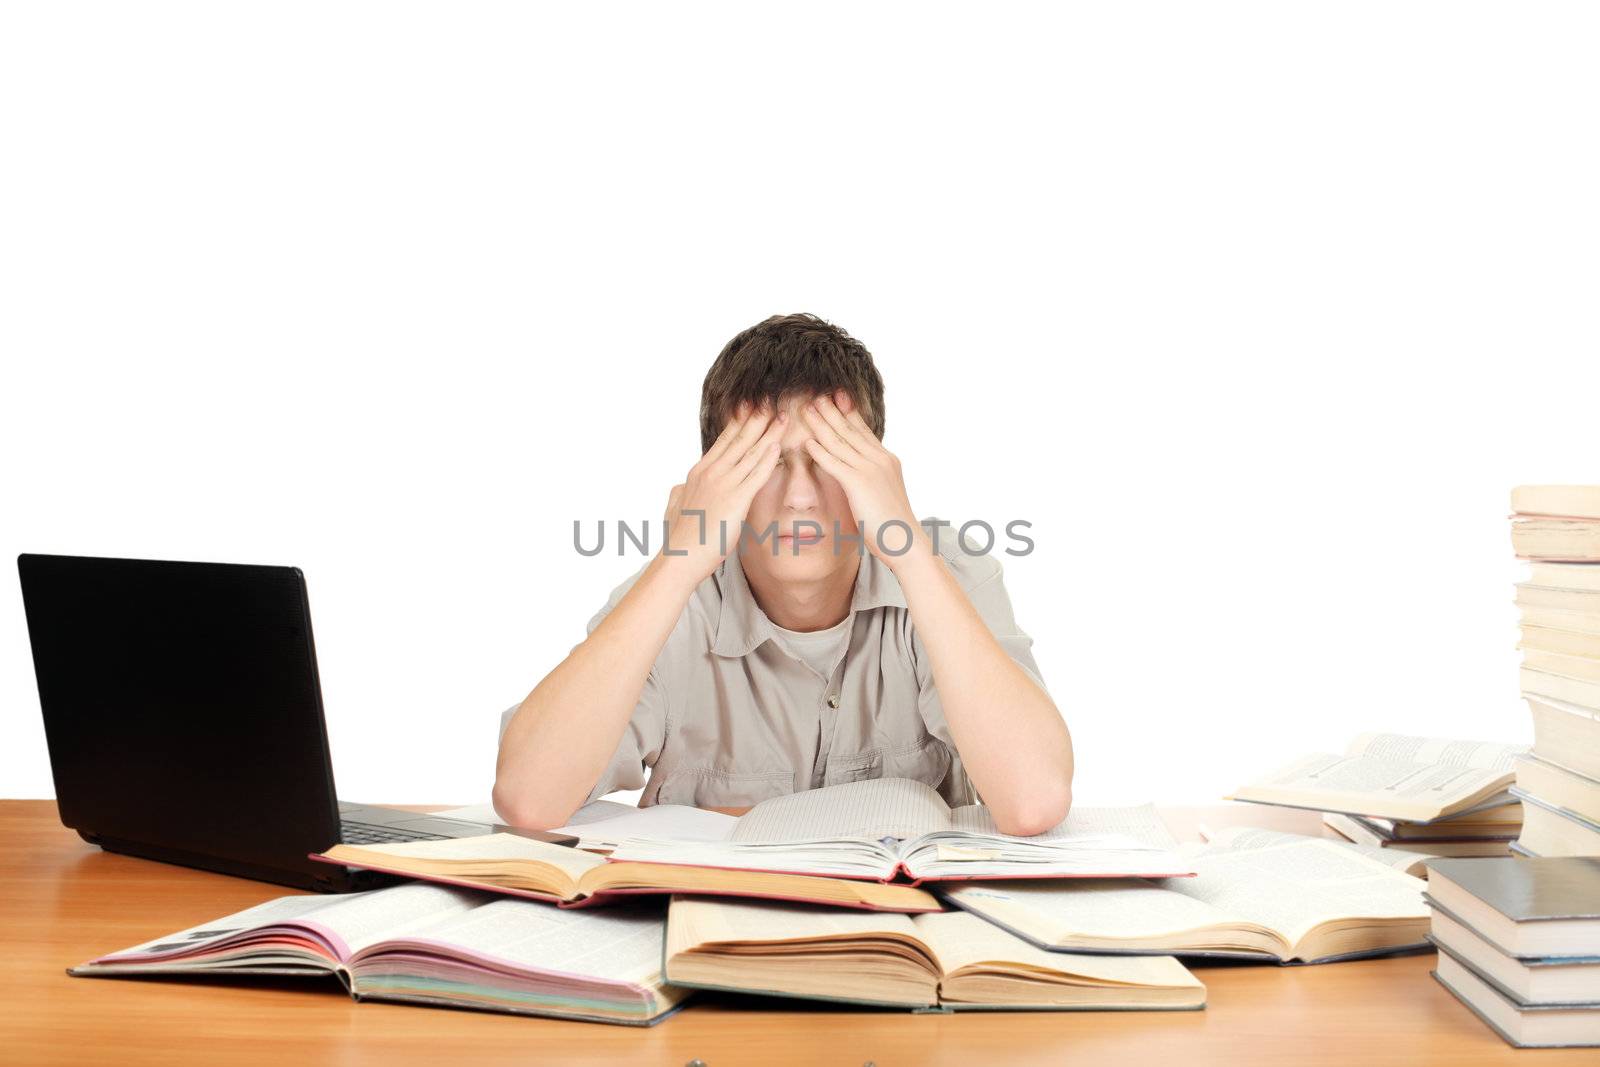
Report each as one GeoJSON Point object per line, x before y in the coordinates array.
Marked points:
{"type": "Point", "coordinates": [729, 432]}
{"type": "Point", "coordinates": [829, 437]}
{"type": "Point", "coordinates": [763, 462]}
{"type": "Point", "coordinates": [835, 418]}
{"type": "Point", "coordinates": [770, 441]}
{"type": "Point", "coordinates": [830, 463]}
{"type": "Point", "coordinates": [852, 415]}
{"type": "Point", "coordinates": [754, 426]}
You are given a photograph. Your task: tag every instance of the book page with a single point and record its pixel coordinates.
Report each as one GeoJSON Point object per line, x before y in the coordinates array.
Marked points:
{"type": "Point", "coordinates": [593, 812]}
{"type": "Point", "coordinates": [872, 810]}
{"type": "Point", "coordinates": [955, 854]}
{"type": "Point", "coordinates": [1120, 909]}
{"type": "Point", "coordinates": [1246, 838]}
{"type": "Point", "coordinates": [212, 934]}
{"type": "Point", "coordinates": [489, 848]}
{"type": "Point", "coordinates": [617, 944]}
{"type": "Point", "coordinates": [1291, 888]}
{"type": "Point", "coordinates": [1089, 842]}
{"type": "Point", "coordinates": [362, 918]}
{"type": "Point", "coordinates": [959, 939]}
{"type": "Point", "coordinates": [659, 822]}
{"type": "Point", "coordinates": [345, 920]}
{"type": "Point", "coordinates": [1141, 823]}
{"type": "Point", "coordinates": [842, 858]}
{"type": "Point", "coordinates": [1455, 753]}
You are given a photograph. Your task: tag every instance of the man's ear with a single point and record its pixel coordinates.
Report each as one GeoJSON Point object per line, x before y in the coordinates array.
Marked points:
{"type": "Point", "coordinates": [843, 401]}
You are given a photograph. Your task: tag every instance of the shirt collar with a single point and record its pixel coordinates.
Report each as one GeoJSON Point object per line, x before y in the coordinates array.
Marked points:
{"type": "Point", "coordinates": [743, 626]}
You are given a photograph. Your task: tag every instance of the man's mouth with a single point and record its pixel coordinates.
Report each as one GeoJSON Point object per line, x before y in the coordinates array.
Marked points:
{"type": "Point", "coordinates": [806, 537]}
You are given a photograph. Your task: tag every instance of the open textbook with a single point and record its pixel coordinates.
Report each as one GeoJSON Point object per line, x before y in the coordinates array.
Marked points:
{"type": "Point", "coordinates": [521, 866]}
{"type": "Point", "coordinates": [1249, 837]}
{"type": "Point", "coordinates": [432, 945]}
{"type": "Point", "coordinates": [947, 961]}
{"type": "Point", "coordinates": [1393, 776]}
{"type": "Point", "coordinates": [887, 828]}
{"type": "Point", "coordinates": [1258, 894]}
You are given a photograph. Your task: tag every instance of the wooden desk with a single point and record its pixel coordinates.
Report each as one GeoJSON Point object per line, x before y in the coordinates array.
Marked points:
{"type": "Point", "coordinates": [63, 901]}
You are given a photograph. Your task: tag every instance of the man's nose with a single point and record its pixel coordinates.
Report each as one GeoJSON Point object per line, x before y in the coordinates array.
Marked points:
{"type": "Point", "coordinates": [800, 489]}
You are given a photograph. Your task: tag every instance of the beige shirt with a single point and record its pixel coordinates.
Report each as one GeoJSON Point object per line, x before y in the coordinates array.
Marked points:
{"type": "Point", "coordinates": [731, 714]}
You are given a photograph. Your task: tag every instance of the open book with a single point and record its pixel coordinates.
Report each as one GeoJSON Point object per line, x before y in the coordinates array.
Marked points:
{"type": "Point", "coordinates": [1257, 894]}
{"type": "Point", "coordinates": [947, 961]}
{"type": "Point", "coordinates": [886, 828]}
{"type": "Point", "coordinates": [1392, 776]}
{"type": "Point", "coordinates": [521, 866]}
{"type": "Point", "coordinates": [1247, 837]}
{"type": "Point", "coordinates": [432, 945]}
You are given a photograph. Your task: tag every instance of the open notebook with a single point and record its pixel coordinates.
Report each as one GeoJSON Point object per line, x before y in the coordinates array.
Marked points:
{"type": "Point", "coordinates": [429, 944]}
{"type": "Point", "coordinates": [1258, 894]}
{"type": "Point", "coordinates": [521, 866]}
{"type": "Point", "coordinates": [888, 828]}
{"type": "Point", "coordinates": [942, 961]}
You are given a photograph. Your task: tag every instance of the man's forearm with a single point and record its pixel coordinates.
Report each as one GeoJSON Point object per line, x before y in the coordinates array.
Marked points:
{"type": "Point", "coordinates": [565, 731]}
{"type": "Point", "coordinates": [1009, 732]}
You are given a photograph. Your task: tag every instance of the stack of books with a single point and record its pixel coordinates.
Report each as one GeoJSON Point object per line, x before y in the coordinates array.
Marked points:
{"type": "Point", "coordinates": [1556, 528]}
{"type": "Point", "coordinates": [1486, 830]}
{"type": "Point", "coordinates": [1422, 796]}
{"type": "Point", "coordinates": [1519, 944]}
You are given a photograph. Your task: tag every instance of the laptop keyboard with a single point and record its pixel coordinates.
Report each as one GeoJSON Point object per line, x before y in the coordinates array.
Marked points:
{"type": "Point", "coordinates": [360, 833]}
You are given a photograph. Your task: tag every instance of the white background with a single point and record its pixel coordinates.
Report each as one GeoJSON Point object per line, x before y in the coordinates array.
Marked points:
{"type": "Point", "coordinates": [1255, 311]}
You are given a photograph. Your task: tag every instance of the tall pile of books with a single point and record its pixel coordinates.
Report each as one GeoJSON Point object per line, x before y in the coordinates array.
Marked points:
{"type": "Point", "coordinates": [1556, 528]}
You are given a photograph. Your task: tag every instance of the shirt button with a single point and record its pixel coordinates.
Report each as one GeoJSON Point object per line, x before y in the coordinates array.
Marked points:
{"type": "Point", "coordinates": [833, 701]}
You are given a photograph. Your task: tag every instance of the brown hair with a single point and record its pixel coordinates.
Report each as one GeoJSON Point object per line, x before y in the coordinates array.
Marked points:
{"type": "Point", "coordinates": [785, 356]}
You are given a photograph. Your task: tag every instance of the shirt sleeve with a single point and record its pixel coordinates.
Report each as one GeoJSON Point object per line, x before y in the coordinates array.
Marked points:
{"type": "Point", "coordinates": [988, 595]}
{"type": "Point", "coordinates": [647, 725]}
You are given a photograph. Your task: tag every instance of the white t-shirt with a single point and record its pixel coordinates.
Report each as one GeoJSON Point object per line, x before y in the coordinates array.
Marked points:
{"type": "Point", "coordinates": [819, 648]}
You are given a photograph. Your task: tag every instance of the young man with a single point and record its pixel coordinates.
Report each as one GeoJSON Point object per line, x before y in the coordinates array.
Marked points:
{"type": "Point", "coordinates": [829, 637]}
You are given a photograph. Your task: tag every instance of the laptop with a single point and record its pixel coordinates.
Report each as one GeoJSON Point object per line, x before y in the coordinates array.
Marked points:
{"type": "Point", "coordinates": [184, 718]}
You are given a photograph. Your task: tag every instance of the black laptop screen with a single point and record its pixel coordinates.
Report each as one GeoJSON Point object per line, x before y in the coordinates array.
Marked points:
{"type": "Point", "coordinates": [181, 705]}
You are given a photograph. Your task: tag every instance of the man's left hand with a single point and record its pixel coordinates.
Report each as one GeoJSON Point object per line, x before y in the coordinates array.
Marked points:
{"type": "Point", "coordinates": [845, 447]}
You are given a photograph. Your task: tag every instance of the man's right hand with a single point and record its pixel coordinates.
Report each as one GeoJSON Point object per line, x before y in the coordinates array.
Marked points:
{"type": "Point", "coordinates": [721, 486]}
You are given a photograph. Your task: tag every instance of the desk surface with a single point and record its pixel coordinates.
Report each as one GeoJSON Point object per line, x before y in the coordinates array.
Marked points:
{"type": "Point", "coordinates": [63, 901]}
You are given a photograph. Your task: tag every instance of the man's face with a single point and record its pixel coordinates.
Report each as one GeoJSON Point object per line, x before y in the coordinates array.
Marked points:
{"type": "Point", "coordinates": [799, 490]}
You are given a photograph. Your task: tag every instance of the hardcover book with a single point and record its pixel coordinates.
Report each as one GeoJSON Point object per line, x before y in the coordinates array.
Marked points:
{"type": "Point", "coordinates": [943, 961]}
{"type": "Point", "coordinates": [429, 944]}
